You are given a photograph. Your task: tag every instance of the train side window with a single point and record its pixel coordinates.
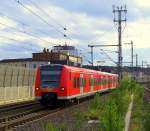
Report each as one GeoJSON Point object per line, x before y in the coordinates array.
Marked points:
{"type": "Point", "coordinates": [90, 82]}
{"type": "Point", "coordinates": [84, 82]}
{"type": "Point", "coordinates": [106, 81]}
{"type": "Point", "coordinates": [97, 81]}
{"type": "Point", "coordinates": [110, 81]}
{"type": "Point", "coordinates": [82, 79]}
{"type": "Point", "coordinates": [70, 75]}
{"type": "Point", "coordinates": [100, 81]}
{"type": "Point", "coordinates": [74, 82]}
{"type": "Point", "coordinates": [93, 82]}
{"type": "Point", "coordinates": [78, 82]}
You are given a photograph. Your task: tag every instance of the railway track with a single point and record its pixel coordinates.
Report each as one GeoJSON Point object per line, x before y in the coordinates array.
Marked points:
{"type": "Point", "coordinates": [12, 121]}
{"type": "Point", "coordinates": [14, 115]}
{"type": "Point", "coordinates": [9, 122]}
{"type": "Point", "coordinates": [147, 93]}
{"type": "Point", "coordinates": [10, 107]}
{"type": "Point", "coordinates": [23, 118]}
{"type": "Point", "coordinates": [10, 113]}
{"type": "Point", "coordinates": [19, 109]}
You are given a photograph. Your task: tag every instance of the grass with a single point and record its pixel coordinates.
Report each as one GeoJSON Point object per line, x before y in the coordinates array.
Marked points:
{"type": "Point", "coordinates": [50, 127]}
{"type": "Point", "coordinates": [111, 110]}
{"type": "Point", "coordinates": [141, 112]}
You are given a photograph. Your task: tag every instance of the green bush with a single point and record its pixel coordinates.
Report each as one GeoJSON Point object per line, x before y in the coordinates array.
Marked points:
{"type": "Point", "coordinates": [111, 119]}
{"type": "Point", "coordinates": [111, 110]}
{"type": "Point", "coordinates": [97, 103]}
{"type": "Point", "coordinates": [146, 117]}
{"type": "Point", "coordinates": [51, 127]}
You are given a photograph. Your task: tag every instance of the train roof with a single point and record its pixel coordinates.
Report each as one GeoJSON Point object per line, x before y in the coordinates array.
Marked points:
{"type": "Point", "coordinates": [79, 69]}
{"type": "Point", "coordinates": [88, 70]}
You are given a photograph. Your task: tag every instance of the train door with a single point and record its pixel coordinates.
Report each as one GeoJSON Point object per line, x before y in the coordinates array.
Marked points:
{"type": "Point", "coordinates": [92, 83]}
{"type": "Point", "coordinates": [81, 84]}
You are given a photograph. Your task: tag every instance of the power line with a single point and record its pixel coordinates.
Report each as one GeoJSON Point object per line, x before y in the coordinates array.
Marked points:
{"type": "Point", "coordinates": [21, 23]}
{"type": "Point", "coordinates": [18, 30]}
{"type": "Point", "coordinates": [64, 28]}
{"type": "Point", "coordinates": [92, 54]}
{"type": "Point", "coordinates": [12, 39]}
{"type": "Point", "coordinates": [108, 56]}
{"type": "Point", "coordinates": [42, 10]}
{"type": "Point", "coordinates": [43, 20]}
{"type": "Point", "coordinates": [110, 51]}
{"type": "Point", "coordinates": [35, 14]}
{"type": "Point", "coordinates": [11, 18]}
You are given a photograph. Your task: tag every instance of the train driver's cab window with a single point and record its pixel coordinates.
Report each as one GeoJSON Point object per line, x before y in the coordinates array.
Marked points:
{"type": "Point", "coordinates": [50, 75]}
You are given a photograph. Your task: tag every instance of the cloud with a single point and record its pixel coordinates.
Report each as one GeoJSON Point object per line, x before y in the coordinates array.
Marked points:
{"type": "Point", "coordinates": [6, 21]}
{"type": "Point", "coordinates": [138, 31]}
{"type": "Point", "coordinates": [143, 3]}
{"type": "Point", "coordinates": [86, 21]}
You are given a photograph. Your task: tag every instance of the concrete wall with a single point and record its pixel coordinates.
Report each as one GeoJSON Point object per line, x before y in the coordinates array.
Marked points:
{"type": "Point", "coordinates": [16, 84]}
{"type": "Point", "coordinates": [26, 64]}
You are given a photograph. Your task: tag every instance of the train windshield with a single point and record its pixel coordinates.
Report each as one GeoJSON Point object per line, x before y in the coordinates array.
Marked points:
{"type": "Point", "coordinates": [50, 75]}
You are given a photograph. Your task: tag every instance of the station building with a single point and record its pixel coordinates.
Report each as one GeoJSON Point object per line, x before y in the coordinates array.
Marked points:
{"type": "Point", "coordinates": [58, 55]}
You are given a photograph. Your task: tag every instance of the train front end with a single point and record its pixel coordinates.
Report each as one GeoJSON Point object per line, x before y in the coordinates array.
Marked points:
{"type": "Point", "coordinates": [48, 84]}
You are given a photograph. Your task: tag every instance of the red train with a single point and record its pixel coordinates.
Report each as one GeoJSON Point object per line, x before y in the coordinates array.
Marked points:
{"type": "Point", "coordinates": [61, 82]}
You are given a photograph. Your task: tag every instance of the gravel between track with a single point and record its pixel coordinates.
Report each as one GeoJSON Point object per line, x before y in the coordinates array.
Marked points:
{"type": "Point", "coordinates": [63, 117]}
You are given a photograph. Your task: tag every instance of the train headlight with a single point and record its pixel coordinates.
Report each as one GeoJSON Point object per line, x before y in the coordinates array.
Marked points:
{"type": "Point", "coordinates": [37, 88]}
{"type": "Point", "coordinates": [62, 88]}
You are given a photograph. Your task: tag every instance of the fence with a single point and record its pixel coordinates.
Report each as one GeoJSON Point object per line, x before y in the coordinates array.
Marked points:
{"type": "Point", "coordinates": [16, 84]}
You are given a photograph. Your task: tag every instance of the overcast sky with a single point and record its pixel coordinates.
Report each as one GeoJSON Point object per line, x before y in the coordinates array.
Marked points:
{"type": "Point", "coordinates": [87, 21]}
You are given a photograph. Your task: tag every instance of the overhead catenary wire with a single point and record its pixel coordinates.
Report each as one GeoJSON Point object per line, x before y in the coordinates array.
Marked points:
{"type": "Point", "coordinates": [110, 51]}
{"type": "Point", "coordinates": [17, 40]}
{"type": "Point", "coordinates": [44, 12]}
{"type": "Point", "coordinates": [21, 23]}
{"type": "Point", "coordinates": [12, 18]}
{"type": "Point", "coordinates": [103, 52]}
{"type": "Point", "coordinates": [37, 15]}
{"type": "Point", "coordinates": [43, 20]}
{"type": "Point", "coordinates": [12, 39]}
{"type": "Point", "coordinates": [16, 29]}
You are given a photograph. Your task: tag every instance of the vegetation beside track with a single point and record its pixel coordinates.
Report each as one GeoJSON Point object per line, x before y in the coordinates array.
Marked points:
{"type": "Point", "coordinates": [51, 127]}
{"type": "Point", "coordinates": [109, 112]}
{"type": "Point", "coordinates": [140, 118]}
